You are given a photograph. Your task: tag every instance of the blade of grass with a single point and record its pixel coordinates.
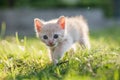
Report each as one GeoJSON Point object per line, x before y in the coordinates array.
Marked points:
{"type": "Point", "coordinates": [3, 29]}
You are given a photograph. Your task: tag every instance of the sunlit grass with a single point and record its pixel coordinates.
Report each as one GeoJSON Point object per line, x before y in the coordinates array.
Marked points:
{"type": "Point", "coordinates": [26, 59]}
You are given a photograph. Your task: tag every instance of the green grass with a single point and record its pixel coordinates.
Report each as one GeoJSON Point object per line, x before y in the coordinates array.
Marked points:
{"type": "Point", "coordinates": [26, 59]}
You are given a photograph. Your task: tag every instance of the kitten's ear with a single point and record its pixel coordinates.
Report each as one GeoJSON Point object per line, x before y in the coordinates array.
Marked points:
{"type": "Point", "coordinates": [38, 24]}
{"type": "Point", "coordinates": [61, 22]}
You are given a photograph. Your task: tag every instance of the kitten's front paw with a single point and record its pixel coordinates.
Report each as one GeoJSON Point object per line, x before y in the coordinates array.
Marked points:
{"type": "Point", "coordinates": [55, 62]}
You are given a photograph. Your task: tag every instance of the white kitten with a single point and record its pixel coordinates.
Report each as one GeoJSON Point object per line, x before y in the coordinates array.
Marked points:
{"type": "Point", "coordinates": [60, 34]}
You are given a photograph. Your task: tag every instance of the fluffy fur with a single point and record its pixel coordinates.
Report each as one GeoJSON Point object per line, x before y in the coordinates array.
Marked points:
{"type": "Point", "coordinates": [61, 34]}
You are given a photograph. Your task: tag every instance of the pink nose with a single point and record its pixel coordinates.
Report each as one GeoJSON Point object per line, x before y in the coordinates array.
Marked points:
{"type": "Point", "coordinates": [50, 42]}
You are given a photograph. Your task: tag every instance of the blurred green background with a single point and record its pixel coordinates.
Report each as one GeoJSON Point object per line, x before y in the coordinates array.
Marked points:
{"type": "Point", "coordinates": [110, 7]}
{"type": "Point", "coordinates": [18, 15]}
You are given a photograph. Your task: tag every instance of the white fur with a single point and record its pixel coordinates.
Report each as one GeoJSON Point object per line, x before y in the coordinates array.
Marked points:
{"type": "Point", "coordinates": [76, 30]}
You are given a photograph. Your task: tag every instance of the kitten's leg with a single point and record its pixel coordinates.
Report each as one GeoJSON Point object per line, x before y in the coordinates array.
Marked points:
{"type": "Point", "coordinates": [60, 50]}
{"type": "Point", "coordinates": [74, 47]}
{"type": "Point", "coordinates": [49, 54]}
{"type": "Point", "coordinates": [84, 42]}
{"type": "Point", "coordinates": [72, 51]}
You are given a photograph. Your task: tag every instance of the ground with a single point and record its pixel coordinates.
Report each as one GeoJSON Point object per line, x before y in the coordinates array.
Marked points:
{"type": "Point", "coordinates": [26, 59]}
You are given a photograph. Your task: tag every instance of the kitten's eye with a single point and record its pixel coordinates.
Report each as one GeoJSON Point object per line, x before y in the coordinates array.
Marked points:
{"type": "Point", "coordinates": [55, 36]}
{"type": "Point", "coordinates": [45, 37]}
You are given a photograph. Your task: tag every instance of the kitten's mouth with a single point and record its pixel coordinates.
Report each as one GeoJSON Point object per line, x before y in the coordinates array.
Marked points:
{"type": "Point", "coordinates": [51, 45]}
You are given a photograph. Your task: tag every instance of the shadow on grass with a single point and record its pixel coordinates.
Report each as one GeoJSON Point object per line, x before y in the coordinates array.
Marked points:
{"type": "Point", "coordinates": [49, 72]}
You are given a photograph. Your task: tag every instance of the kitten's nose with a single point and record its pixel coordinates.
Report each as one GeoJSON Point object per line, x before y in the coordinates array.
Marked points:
{"type": "Point", "coordinates": [50, 42]}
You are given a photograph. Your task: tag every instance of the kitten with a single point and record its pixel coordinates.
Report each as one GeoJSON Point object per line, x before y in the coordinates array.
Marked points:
{"type": "Point", "coordinates": [60, 34]}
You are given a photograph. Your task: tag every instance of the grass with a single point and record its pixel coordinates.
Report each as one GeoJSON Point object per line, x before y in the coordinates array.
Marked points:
{"type": "Point", "coordinates": [26, 59]}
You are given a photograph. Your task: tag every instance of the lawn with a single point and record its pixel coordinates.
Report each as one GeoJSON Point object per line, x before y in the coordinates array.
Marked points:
{"type": "Point", "coordinates": [25, 58]}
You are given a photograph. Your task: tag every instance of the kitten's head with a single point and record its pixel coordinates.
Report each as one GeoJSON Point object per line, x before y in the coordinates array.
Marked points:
{"type": "Point", "coordinates": [51, 33]}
